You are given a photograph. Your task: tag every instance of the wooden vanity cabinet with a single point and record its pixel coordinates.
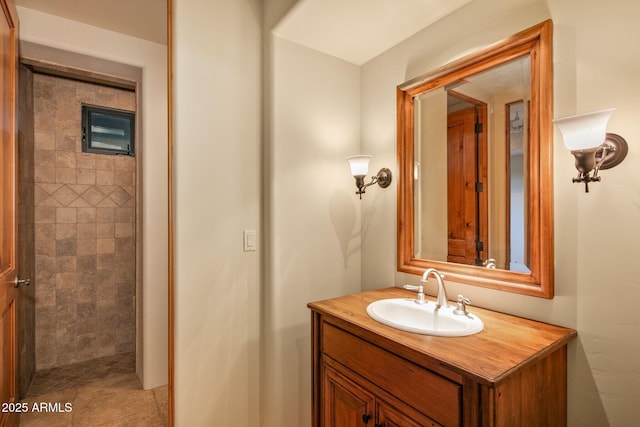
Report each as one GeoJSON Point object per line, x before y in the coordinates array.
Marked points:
{"type": "Point", "coordinates": [349, 404]}
{"type": "Point", "coordinates": [513, 373]}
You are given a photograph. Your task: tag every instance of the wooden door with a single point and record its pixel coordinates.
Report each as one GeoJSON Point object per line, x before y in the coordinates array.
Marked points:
{"type": "Point", "coordinates": [345, 403]}
{"type": "Point", "coordinates": [8, 210]}
{"type": "Point", "coordinates": [466, 178]}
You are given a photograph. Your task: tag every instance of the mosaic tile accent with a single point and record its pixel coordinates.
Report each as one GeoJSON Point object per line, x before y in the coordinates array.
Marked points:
{"type": "Point", "coordinates": [84, 218]}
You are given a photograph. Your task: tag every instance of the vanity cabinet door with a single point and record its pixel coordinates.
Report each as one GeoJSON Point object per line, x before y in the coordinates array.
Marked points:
{"type": "Point", "coordinates": [346, 404]}
{"type": "Point", "coordinates": [388, 416]}
{"type": "Point", "coordinates": [433, 395]}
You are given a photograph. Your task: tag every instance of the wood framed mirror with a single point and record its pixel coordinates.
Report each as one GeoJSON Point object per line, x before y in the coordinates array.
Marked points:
{"type": "Point", "coordinates": [475, 156]}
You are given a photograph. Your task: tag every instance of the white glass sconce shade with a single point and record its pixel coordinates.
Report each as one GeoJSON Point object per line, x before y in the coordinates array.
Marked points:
{"type": "Point", "coordinates": [584, 131]}
{"type": "Point", "coordinates": [359, 164]}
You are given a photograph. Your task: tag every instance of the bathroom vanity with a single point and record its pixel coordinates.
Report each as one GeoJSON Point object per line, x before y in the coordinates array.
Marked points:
{"type": "Point", "coordinates": [512, 373]}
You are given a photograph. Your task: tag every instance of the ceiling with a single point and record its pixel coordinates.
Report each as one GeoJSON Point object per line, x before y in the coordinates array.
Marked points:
{"type": "Point", "coordinates": [352, 30]}
{"type": "Point", "coordinates": [359, 30]}
{"type": "Point", "coordinates": [144, 19]}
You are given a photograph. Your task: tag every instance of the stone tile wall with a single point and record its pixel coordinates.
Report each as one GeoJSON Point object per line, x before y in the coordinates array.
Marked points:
{"type": "Point", "coordinates": [26, 234]}
{"type": "Point", "coordinates": [84, 229]}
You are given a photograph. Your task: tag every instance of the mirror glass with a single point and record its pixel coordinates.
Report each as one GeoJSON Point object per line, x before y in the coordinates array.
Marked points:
{"type": "Point", "coordinates": [475, 157]}
{"type": "Point", "coordinates": [473, 132]}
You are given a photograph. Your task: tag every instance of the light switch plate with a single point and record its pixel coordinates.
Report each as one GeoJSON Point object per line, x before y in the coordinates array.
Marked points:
{"type": "Point", "coordinates": [249, 240]}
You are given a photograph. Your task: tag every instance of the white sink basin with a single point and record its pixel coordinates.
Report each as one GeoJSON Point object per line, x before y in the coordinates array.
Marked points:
{"type": "Point", "coordinates": [407, 315]}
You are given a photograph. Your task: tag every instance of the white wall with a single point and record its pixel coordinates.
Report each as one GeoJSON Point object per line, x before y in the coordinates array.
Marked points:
{"type": "Point", "coordinates": [597, 239]}
{"type": "Point", "coordinates": [217, 124]}
{"type": "Point", "coordinates": [52, 31]}
{"type": "Point", "coordinates": [313, 253]}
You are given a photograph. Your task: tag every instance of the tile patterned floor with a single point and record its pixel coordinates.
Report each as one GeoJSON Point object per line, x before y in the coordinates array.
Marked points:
{"type": "Point", "coordinates": [101, 392]}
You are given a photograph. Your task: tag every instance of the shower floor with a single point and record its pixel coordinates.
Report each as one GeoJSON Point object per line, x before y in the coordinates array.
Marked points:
{"type": "Point", "coordinates": [100, 392]}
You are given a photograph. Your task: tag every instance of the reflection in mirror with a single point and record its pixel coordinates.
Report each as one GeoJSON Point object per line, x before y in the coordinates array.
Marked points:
{"type": "Point", "coordinates": [469, 132]}
{"type": "Point", "coordinates": [474, 147]}
{"type": "Point", "coordinates": [516, 188]}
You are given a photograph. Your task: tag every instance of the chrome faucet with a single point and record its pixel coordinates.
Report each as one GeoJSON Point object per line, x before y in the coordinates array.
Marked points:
{"type": "Point", "coordinates": [441, 300]}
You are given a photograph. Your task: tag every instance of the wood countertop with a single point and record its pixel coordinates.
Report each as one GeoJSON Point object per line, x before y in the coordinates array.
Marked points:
{"type": "Point", "coordinates": [507, 343]}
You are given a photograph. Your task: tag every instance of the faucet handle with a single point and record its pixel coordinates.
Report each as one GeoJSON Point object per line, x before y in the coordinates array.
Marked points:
{"type": "Point", "coordinates": [461, 305]}
{"type": "Point", "coordinates": [420, 297]}
{"type": "Point", "coordinates": [490, 263]}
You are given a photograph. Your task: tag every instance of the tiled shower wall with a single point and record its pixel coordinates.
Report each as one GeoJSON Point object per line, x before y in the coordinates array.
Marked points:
{"type": "Point", "coordinates": [26, 233]}
{"type": "Point", "coordinates": [84, 229]}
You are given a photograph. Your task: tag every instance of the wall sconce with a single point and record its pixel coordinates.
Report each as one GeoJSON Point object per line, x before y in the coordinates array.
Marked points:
{"type": "Point", "coordinates": [360, 166]}
{"type": "Point", "coordinates": [585, 135]}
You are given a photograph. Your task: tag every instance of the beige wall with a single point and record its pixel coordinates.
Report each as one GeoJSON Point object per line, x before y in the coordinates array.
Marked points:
{"type": "Point", "coordinates": [431, 221]}
{"type": "Point", "coordinates": [217, 123]}
{"type": "Point", "coordinates": [313, 220]}
{"type": "Point", "coordinates": [596, 235]}
{"type": "Point", "coordinates": [51, 31]}
{"type": "Point", "coordinates": [596, 67]}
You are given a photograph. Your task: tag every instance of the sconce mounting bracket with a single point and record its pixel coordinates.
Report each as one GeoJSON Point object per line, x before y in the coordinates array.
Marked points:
{"type": "Point", "coordinates": [616, 151]}
{"type": "Point", "coordinates": [384, 177]}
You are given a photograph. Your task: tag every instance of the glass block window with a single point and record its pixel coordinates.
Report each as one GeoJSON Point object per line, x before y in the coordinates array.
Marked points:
{"type": "Point", "coordinates": [108, 130]}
